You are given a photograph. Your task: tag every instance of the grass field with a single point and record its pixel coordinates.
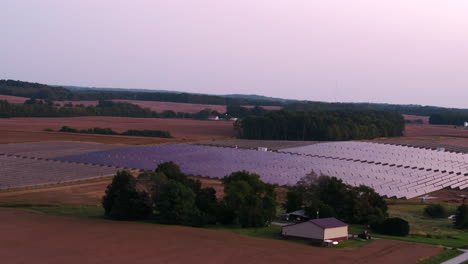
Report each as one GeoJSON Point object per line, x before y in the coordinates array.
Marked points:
{"type": "Point", "coordinates": [444, 256]}
{"type": "Point", "coordinates": [426, 230]}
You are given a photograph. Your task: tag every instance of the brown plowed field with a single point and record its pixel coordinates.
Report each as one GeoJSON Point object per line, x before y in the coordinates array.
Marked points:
{"type": "Point", "coordinates": [413, 130]}
{"type": "Point", "coordinates": [7, 137]}
{"type": "Point", "coordinates": [29, 237]}
{"type": "Point", "coordinates": [179, 128]}
{"type": "Point", "coordinates": [84, 192]}
{"type": "Point", "coordinates": [13, 99]}
{"type": "Point", "coordinates": [176, 107]}
{"type": "Point", "coordinates": [425, 119]}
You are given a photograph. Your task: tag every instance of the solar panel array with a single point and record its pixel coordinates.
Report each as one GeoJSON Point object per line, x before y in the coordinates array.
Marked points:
{"type": "Point", "coordinates": [399, 171]}
{"type": "Point", "coordinates": [29, 164]}
{"type": "Point", "coordinates": [393, 171]}
{"type": "Point", "coordinates": [18, 171]}
{"type": "Point", "coordinates": [428, 145]}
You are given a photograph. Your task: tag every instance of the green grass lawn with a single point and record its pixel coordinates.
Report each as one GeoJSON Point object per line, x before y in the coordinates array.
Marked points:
{"type": "Point", "coordinates": [63, 210]}
{"type": "Point", "coordinates": [444, 256]}
{"type": "Point", "coordinates": [423, 229]}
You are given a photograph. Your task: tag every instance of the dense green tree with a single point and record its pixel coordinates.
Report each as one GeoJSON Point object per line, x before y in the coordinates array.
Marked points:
{"type": "Point", "coordinates": [331, 197]}
{"type": "Point", "coordinates": [252, 201]}
{"type": "Point", "coordinates": [435, 211]}
{"type": "Point", "coordinates": [461, 219]}
{"type": "Point", "coordinates": [393, 227]}
{"type": "Point", "coordinates": [336, 125]}
{"type": "Point", "coordinates": [176, 204]}
{"type": "Point", "coordinates": [123, 202]}
{"type": "Point", "coordinates": [294, 200]}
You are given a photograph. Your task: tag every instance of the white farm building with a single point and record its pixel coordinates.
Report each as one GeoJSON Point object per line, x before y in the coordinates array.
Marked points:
{"type": "Point", "coordinates": [317, 230]}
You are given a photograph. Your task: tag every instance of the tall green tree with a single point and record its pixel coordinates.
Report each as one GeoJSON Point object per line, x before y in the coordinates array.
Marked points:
{"type": "Point", "coordinates": [251, 201]}
{"type": "Point", "coordinates": [122, 201]}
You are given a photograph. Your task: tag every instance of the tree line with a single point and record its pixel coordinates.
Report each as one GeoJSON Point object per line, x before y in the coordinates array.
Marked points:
{"type": "Point", "coordinates": [418, 110]}
{"type": "Point", "coordinates": [40, 108]}
{"type": "Point", "coordinates": [53, 93]}
{"type": "Point", "coordinates": [449, 118]}
{"type": "Point", "coordinates": [169, 196]}
{"type": "Point", "coordinates": [336, 125]}
{"type": "Point", "coordinates": [110, 131]}
{"type": "Point", "coordinates": [323, 196]}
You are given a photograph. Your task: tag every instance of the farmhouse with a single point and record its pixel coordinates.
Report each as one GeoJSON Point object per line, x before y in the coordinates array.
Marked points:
{"type": "Point", "coordinates": [317, 230]}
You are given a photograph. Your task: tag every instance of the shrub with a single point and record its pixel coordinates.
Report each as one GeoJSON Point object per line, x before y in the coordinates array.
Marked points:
{"type": "Point", "coordinates": [68, 129]}
{"type": "Point", "coordinates": [148, 133]}
{"type": "Point", "coordinates": [393, 227]}
{"type": "Point", "coordinates": [461, 220]}
{"type": "Point", "coordinates": [435, 211]}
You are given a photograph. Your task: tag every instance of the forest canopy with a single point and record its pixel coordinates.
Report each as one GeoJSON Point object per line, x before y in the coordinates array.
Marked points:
{"type": "Point", "coordinates": [318, 126]}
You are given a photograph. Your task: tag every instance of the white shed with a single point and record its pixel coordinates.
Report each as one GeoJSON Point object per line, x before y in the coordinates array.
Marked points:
{"type": "Point", "coordinates": [317, 230]}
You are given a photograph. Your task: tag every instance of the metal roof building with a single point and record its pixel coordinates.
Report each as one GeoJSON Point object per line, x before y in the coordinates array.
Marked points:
{"type": "Point", "coordinates": [317, 230]}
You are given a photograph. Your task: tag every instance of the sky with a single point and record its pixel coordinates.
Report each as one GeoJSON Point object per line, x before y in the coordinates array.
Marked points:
{"type": "Point", "coordinates": [394, 51]}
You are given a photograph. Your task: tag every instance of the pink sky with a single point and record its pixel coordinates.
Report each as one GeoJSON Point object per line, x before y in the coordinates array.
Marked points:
{"type": "Point", "coordinates": [350, 50]}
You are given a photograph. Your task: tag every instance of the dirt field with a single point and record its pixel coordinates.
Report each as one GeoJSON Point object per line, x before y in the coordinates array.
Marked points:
{"type": "Point", "coordinates": [413, 130]}
{"type": "Point", "coordinates": [179, 128]}
{"type": "Point", "coordinates": [13, 99]}
{"type": "Point", "coordinates": [80, 240]}
{"type": "Point", "coordinates": [85, 192]}
{"type": "Point", "coordinates": [7, 137]}
{"type": "Point", "coordinates": [425, 119]}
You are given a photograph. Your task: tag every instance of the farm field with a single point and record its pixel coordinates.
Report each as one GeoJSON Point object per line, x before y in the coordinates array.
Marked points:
{"type": "Point", "coordinates": [179, 128]}
{"type": "Point", "coordinates": [176, 107]}
{"type": "Point", "coordinates": [97, 241]}
{"type": "Point", "coordinates": [415, 130]}
{"type": "Point", "coordinates": [425, 119]}
{"type": "Point", "coordinates": [13, 99]}
{"type": "Point", "coordinates": [85, 192]}
{"type": "Point", "coordinates": [11, 137]}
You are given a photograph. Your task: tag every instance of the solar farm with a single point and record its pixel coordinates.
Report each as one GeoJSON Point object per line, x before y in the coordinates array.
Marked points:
{"type": "Point", "coordinates": [392, 170]}
{"type": "Point", "coordinates": [32, 164]}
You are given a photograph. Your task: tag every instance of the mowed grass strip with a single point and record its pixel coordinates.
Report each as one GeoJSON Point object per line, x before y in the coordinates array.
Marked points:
{"type": "Point", "coordinates": [442, 257]}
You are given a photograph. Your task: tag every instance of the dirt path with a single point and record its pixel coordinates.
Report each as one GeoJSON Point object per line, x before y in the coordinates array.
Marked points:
{"type": "Point", "coordinates": [29, 237]}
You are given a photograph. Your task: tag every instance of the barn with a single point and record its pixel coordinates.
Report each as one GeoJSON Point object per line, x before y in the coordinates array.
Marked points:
{"type": "Point", "coordinates": [317, 230]}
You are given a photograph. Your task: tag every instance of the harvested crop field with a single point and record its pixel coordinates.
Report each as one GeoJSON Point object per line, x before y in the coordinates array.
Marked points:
{"type": "Point", "coordinates": [81, 240]}
{"type": "Point", "coordinates": [53, 149]}
{"type": "Point", "coordinates": [88, 192]}
{"type": "Point", "coordinates": [179, 128]}
{"type": "Point", "coordinates": [13, 99]}
{"type": "Point", "coordinates": [8, 137]}
{"type": "Point", "coordinates": [176, 107]}
{"type": "Point", "coordinates": [425, 119]}
{"type": "Point", "coordinates": [415, 130]}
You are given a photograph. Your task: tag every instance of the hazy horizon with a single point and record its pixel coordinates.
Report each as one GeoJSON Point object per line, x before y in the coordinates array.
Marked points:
{"type": "Point", "coordinates": [397, 51]}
